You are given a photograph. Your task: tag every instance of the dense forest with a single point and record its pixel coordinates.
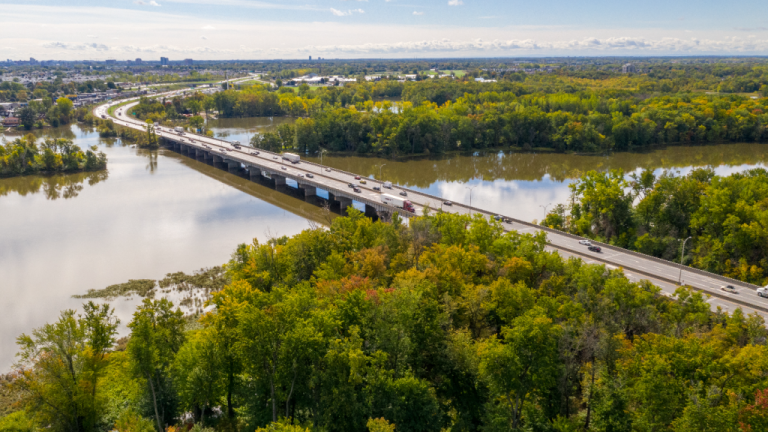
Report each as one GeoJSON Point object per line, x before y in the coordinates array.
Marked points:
{"type": "Point", "coordinates": [446, 323]}
{"type": "Point", "coordinates": [726, 217]}
{"type": "Point", "coordinates": [25, 155]}
{"type": "Point", "coordinates": [543, 112]}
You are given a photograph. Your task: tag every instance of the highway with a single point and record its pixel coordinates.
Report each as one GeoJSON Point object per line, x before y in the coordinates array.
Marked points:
{"type": "Point", "coordinates": [636, 266]}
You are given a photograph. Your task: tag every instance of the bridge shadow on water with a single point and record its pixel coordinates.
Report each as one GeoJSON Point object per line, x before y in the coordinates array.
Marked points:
{"type": "Point", "coordinates": [288, 197]}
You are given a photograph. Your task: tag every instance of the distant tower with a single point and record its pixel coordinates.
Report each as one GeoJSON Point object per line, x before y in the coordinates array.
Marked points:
{"type": "Point", "coordinates": [164, 61]}
{"type": "Point", "coordinates": [628, 68]}
{"type": "Point", "coordinates": [310, 58]}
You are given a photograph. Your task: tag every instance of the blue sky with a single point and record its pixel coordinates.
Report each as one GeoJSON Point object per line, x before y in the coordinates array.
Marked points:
{"type": "Point", "coordinates": [266, 29]}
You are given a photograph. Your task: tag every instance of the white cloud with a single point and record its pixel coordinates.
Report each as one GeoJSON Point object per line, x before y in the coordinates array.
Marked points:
{"type": "Point", "coordinates": [209, 27]}
{"type": "Point", "coordinates": [455, 2]}
{"type": "Point", "coordinates": [149, 3]}
{"type": "Point", "coordinates": [418, 13]}
{"type": "Point", "coordinates": [203, 38]}
{"type": "Point", "coordinates": [346, 13]}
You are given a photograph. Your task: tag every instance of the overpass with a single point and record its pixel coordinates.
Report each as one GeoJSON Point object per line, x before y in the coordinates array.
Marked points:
{"type": "Point", "coordinates": [260, 165]}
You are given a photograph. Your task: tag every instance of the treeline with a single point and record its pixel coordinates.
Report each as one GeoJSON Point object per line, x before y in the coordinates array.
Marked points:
{"type": "Point", "coordinates": [25, 155]}
{"type": "Point", "coordinates": [447, 323]}
{"type": "Point", "coordinates": [558, 122]}
{"type": "Point", "coordinates": [16, 92]}
{"type": "Point", "coordinates": [726, 217]}
{"type": "Point", "coordinates": [38, 114]}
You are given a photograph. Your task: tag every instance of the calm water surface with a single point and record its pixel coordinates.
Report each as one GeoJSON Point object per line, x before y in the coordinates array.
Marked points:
{"type": "Point", "coordinates": [158, 212]}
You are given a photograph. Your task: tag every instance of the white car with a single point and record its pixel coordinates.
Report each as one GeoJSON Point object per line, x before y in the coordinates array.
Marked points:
{"type": "Point", "coordinates": [585, 242]}
{"type": "Point", "coordinates": [762, 292]}
{"type": "Point", "coordinates": [729, 289]}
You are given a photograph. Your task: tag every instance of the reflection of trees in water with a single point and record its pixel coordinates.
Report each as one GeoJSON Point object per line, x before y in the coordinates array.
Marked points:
{"type": "Point", "coordinates": [424, 172]}
{"type": "Point", "coordinates": [54, 187]}
{"type": "Point", "coordinates": [151, 156]}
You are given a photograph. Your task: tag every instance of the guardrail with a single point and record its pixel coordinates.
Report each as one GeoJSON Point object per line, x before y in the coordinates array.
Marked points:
{"type": "Point", "coordinates": [529, 224]}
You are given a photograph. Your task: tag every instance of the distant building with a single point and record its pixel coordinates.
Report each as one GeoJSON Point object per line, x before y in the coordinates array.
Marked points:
{"type": "Point", "coordinates": [164, 61]}
{"type": "Point", "coordinates": [188, 62]}
{"type": "Point", "coordinates": [628, 68]}
{"type": "Point", "coordinates": [138, 61]}
{"type": "Point", "coordinates": [111, 61]}
{"type": "Point", "coordinates": [32, 60]}
{"type": "Point", "coordinates": [11, 121]}
{"type": "Point", "coordinates": [310, 58]}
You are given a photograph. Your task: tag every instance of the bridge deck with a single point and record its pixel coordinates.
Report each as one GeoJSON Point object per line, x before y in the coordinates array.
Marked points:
{"type": "Point", "coordinates": [663, 273]}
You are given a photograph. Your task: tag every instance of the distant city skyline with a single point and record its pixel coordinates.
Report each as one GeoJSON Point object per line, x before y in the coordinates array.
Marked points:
{"type": "Point", "coordinates": [296, 29]}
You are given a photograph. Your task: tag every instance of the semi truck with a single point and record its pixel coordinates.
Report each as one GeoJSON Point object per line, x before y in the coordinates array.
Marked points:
{"type": "Point", "coordinates": [293, 158]}
{"type": "Point", "coordinates": [398, 202]}
{"type": "Point", "coordinates": [179, 129]}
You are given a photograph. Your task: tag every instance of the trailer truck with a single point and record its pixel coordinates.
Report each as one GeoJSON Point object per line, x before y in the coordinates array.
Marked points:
{"type": "Point", "coordinates": [293, 158]}
{"type": "Point", "coordinates": [398, 202]}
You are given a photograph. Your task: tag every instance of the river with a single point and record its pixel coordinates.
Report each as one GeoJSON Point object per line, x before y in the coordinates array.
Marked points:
{"type": "Point", "coordinates": [156, 212]}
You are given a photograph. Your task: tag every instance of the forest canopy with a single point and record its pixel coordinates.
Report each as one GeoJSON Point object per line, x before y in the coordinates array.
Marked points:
{"type": "Point", "coordinates": [447, 323]}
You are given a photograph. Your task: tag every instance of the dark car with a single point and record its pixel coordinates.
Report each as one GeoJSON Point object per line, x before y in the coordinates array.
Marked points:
{"type": "Point", "coordinates": [448, 203]}
{"type": "Point", "coordinates": [255, 153]}
{"type": "Point", "coordinates": [403, 193]}
{"type": "Point", "coordinates": [497, 218]}
{"type": "Point", "coordinates": [357, 189]}
{"type": "Point", "coordinates": [350, 185]}
{"type": "Point", "coordinates": [594, 248]}
{"type": "Point", "coordinates": [310, 176]}
{"type": "Point", "coordinates": [377, 189]}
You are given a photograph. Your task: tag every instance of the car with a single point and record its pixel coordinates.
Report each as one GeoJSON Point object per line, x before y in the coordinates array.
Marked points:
{"type": "Point", "coordinates": [357, 177]}
{"type": "Point", "coordinates": [274, 157]}
{"type": "Point", "coordinates": [377, 189]}
{"type": "Point", "coordinates": [362, 182]}
{"type": "Point", "coordinates": [301, 175]}
{"type": "Point", "coordinates": [497, 218]}
{"type": "Point", "coordinates": [508, 220]}
{"type": "Point", "coordinates": [255, 153]}
{"type": "Point", "coordinates": [350, 185]}
{"type": "Point", "coordinates": [729, 289]}
{"type": "Point", "coordinates": [327, 170]}
{"type": "Point", "coordinates": [762, 292]}
{"type": "Point", "coordinates": [356, 189]}
{"type": "Point", "coordinates": [310, 176]}
{"type": "Point", "coordinates": [594, 248]}
{"type": "Point", "coordinates": [283, 168]}
{"type": "Point", "coordinates": [403, 193]}
{"type": "Point", "coordinates": [447, 203]}
{"type": "Point", "coordinates": [585, 242]}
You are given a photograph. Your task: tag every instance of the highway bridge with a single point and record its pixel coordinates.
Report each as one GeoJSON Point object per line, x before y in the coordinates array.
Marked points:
{"type": "Point", "coordinates": [258, 165]}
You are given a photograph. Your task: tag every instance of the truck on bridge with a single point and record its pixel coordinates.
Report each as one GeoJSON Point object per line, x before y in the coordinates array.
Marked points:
{"type": "Point", "coordinates": [397, 202]}
{"type": "Point", "coordinates": [293, 158]}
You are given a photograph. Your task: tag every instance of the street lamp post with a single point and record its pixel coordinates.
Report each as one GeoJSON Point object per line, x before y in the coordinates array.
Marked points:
{"type": "Point", "coordinates": [321, 155]}
{"type": "Point", "coordinates": [682, 254]}
{"type": "Point", "coordinates": [380, 166]}
{"type": "Point", "coordinates": [470, 198]}
{"type": "Point", "coordinates": [545, 209]}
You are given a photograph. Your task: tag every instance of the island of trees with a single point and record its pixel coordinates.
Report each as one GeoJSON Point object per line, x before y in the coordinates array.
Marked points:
{"type": "Point", "coordinates": [25, 155]}
{"type": "Point", "coordinates": [447, 323]}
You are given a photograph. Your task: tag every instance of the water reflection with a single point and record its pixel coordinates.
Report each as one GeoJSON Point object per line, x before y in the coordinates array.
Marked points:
{"type": "Point", "coordinates": [243, 129]}
{"type": "Point", "coordinates": [53, 187]}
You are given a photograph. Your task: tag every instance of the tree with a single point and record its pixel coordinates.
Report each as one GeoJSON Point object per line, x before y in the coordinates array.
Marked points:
{"type": "Point", "coordinates": [196, 122]}
{"type": "Point", "coordinates": [198, 374]}
{"type": "Point", "coordinates": [27, 117]}
{"type": "Point", "coordinates": [156, 336]}
{"type": "Point", "coordinates": [61, 365]}
{"type": "Point", "coordinates": [65, 106]}
{"type": "Point", "coordinates": [526, 361]}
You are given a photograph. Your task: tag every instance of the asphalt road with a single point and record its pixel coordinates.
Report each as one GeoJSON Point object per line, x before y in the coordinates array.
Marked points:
{"type": "Point", "coordinates": [662, 273]}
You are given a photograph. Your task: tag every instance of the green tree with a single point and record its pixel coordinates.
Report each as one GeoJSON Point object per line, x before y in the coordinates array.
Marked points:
{"type": "Point", "coordinates": [156, 336]}
{"type": "Point", "coordinates": [61, 366]}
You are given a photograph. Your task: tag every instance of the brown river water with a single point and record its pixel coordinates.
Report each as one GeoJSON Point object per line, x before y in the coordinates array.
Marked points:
{"type": "Point", "coordinates": [156, 212]}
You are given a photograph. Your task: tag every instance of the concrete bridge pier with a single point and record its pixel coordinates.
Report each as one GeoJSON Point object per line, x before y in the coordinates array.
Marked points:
{"type": "Point", "coordinates": [254, 173]}
{"type": "Point", "coordinates": [343, 204]}
{"type": "Point", "coordinates": [371, 212]}
{"type": "Point", "coordinates": [218, 162]}
{"type": "Point", "coordinates": [309, 191]}
{"type": "Point", "coordinates": [233, 166]}
{"type": "Point", "coordinates": [208, 157]}
{"type": "Point", "coordinates": [279, 180]}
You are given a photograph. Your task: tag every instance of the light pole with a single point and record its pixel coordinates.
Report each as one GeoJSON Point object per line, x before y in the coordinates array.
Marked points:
{"type": "Point", "coordinates": [470, 198]}
{"type": "Point", "coordinates": [545, 209]}
{"type": "Point", "coordinates": [321, 155]}
{"type": "Point", "coordinates": [380, 170]}
{"type": "Point", "coordinates": [682, 254]}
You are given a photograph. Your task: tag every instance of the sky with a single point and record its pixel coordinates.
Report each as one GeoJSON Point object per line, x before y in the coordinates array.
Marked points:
{"type": "Point", "coordinates": [296, 29]}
